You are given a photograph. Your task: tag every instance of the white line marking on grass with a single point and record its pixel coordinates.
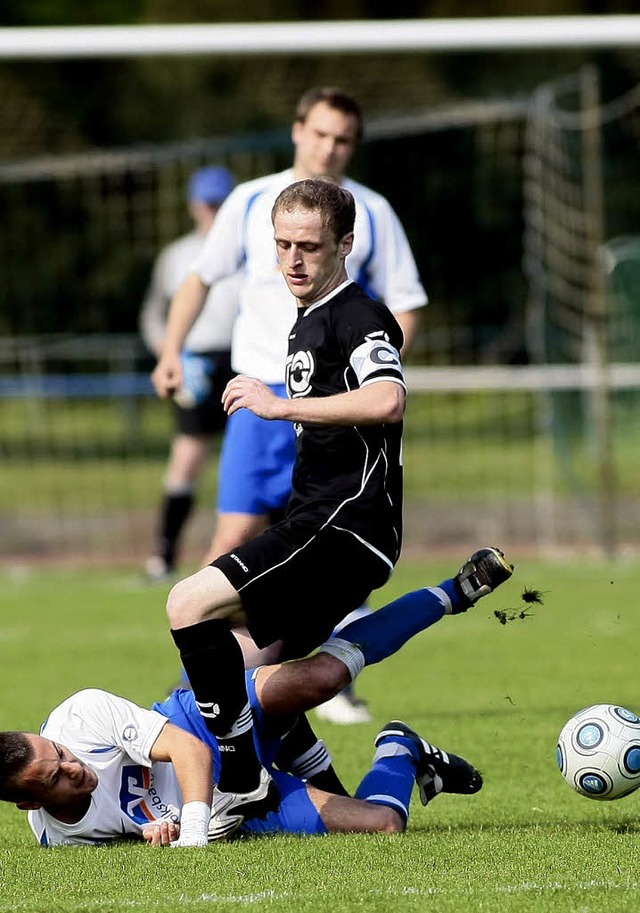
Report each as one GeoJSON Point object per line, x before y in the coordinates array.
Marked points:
{"type": "Point", "coordinates": [420, 892]}
{"type": "Point", "coordinates": [521, 888]}
{"type": "Point", "coordinates": [407, 890]}
{"type": "Point", "coordinates": [103, 904]}
{"type": "Point", "coordinates": [242, 898]}
{"type": "Point", "coordinates": [525, 886]}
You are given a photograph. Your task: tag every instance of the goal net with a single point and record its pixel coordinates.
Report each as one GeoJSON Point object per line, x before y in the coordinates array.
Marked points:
{"type": "Point", "coordinates": [523, 382]}
{"type": "Point", "coordinates": [582, 257]}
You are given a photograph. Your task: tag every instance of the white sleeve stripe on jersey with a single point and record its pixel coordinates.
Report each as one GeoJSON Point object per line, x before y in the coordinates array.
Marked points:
{"type": "Point", "coordinates": [386, 377]}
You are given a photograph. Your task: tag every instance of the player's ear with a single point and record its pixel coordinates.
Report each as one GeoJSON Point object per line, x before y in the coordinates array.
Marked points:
{"type": "Point", "coordinates": [346, 243]}
{"type": "Point", "coordinates": [28, 806]}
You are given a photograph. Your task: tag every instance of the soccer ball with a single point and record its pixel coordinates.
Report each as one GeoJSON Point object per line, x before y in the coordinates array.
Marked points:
{"type": "Point", "coordinates": [599, 751]}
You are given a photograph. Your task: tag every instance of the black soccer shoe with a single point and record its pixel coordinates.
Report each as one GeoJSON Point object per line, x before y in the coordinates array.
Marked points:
{"type": "Point", "coordinates": [230, 810]}
{"type": "Point", "coordinates": [437, 771]}
{"type": "Point", "coordinates": [485, 570]}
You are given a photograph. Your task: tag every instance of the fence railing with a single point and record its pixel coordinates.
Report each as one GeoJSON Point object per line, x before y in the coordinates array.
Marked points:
{"type": "Point", "coordinates": [504, 453]}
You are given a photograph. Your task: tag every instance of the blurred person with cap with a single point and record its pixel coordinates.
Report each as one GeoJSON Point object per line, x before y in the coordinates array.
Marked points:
{"type": "Point", "coordinates": [197, 406]}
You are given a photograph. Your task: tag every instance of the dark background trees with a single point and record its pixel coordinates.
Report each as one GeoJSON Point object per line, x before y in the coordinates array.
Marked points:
{"type": "Point", "coordinates": [458, 190]}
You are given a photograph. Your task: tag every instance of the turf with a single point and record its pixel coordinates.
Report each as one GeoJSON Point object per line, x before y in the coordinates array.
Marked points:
{"type": "Point", "coordinates": [495, 693]}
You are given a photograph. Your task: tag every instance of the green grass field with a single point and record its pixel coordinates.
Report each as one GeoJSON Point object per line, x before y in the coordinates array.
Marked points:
{"type": "Point", "coordinates": [497, 694]}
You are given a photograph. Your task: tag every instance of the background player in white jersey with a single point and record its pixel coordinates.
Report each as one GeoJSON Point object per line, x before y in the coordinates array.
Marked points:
{"type": "Point", "coordinates": [103, 768]}
{"type": "Point", "coordinates": [198, 412]}
{"type": "Point", "coordinates": [257, 457]}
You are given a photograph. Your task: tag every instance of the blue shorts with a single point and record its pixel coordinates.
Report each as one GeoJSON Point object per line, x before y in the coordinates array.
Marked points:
{"type": "Point", "coordinates": [297, 813]}
{"type": "Point", "coordinates": [256, 463]}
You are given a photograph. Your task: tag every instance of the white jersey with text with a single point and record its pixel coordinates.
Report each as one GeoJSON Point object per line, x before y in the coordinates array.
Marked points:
{"type": "Point", "coordinates": [349, 476]}
{"type": "Point", "coordinates": [114, 737]}
{"type": "Point", "coordinates": [242, 236]}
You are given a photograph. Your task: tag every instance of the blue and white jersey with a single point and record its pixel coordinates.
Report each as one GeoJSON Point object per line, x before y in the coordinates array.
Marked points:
{"type": "Point", "coordinates": [242, 237]}
{"type": "Point", "coordinates": [114, 737]}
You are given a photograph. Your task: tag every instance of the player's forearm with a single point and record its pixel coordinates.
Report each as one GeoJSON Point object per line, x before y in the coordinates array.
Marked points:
{"type": "Point", "coordinates": [191, 760]}
{"type": "Point", "coordinates": [185, 308]}
{"type": "Point", "coordinates": [379, 403]}
{"type": "Point", "coordinates": [193, 765]}
{"type": "Point", "coordinates": [194, 770]}
{"type": "Point", "coordinates": [410, 324]}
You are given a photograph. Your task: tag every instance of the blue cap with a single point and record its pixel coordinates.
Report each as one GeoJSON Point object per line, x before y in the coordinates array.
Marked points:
{"type": "Point", "coordinates": [211, 185]}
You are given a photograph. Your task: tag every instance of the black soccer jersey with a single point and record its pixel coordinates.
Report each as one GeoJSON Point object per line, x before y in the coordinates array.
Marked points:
{"type": "Point", "coordinates": [348, 476]}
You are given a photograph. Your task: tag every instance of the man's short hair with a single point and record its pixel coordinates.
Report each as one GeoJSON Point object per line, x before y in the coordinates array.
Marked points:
{"type": "Point", "coordinates": [16, 752]}
{"type": "Point", "coordinates": [323, 195]}
{"type": "Point", "coordinates": [333, 97]}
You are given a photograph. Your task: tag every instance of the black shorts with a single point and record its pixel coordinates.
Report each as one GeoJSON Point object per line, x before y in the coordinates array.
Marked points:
{"type": "Point", "coordinates": [296, 583]}
{"type": "Point", "coordinates": [208, 417]}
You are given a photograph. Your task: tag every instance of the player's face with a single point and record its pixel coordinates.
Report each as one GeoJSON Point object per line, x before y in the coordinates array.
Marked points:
{"type": "Point", "coordinates": [203, 215]}
{"type": "Point", "coordinates": [311, 260]}
{"type": "Point", "coordinates": [55, 778]}
{"type": "Point", "coordinates": [324, 143]}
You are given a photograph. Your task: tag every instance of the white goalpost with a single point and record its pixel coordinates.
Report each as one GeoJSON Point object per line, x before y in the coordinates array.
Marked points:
{"type": "Point", "coordinates": [364, 36]}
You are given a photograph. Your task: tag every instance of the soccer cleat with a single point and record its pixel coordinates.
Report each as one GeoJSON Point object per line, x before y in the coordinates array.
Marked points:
{"type": "Point", "coordinates": [485, 570]}
{"type": "Point", "coordinates": [437, 770]}
{"type": "Point", "coordinates": [229, 810]}
{"type": "Point", "coordinates": [344, 709]}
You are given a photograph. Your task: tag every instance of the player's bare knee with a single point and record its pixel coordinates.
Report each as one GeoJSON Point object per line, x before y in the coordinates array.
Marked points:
{"type": "Point", "coordinates": [187, 603]}
{"type": "Point", "coordinates": [390, 821]}
{"type": "Point", "coordinates": [176, 604]}
{"type": "Point", "coordinates": [205, 595]}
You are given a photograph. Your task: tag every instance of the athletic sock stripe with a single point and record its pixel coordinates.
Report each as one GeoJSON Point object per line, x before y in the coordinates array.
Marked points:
{"type": "Point", "coordinates": [211, 711]}
{"type": "Point", "coordinates": [442, 597]}
{"type": "Point", "coordinates": [391, 750]}
{"type": "Point", "coordinates": [243, 724]}
{"type": "Point", "coordinates": [311, 762]}
{"type": "Point", "coordinates": [384, 799]}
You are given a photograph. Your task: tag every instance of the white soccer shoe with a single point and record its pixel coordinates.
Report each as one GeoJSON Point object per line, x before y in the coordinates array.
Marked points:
{"type": "Point", "coordinates": [230, 810]}
{"type": "Point", "coordinates": [344, 709]}
{"type": "Point", "coordinates": [156, 570]}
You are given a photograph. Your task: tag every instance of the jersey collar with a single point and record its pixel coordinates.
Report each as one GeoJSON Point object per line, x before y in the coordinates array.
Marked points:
{"type": "Point", "coordinates": [336, 291]}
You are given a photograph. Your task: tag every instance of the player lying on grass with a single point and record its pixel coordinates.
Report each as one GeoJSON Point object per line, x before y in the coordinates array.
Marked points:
{"type": "Point", "coordinates": [104, 768]}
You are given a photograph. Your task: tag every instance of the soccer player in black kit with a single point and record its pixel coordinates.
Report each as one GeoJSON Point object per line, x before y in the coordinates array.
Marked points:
{"type": "Point", "coordinates": [342, 532]}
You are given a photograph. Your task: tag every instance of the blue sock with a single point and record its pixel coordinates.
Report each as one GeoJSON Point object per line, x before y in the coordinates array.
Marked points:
{"type": "Point", "coordinates": [364, 610]}
{"type": "Point", "coordinates": [382, 633]}
{"type": "Point", "coordinates": [392, 777]}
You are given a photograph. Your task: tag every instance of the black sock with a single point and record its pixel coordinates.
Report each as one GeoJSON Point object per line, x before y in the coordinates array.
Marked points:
{"type": "Point", "coordinates": [174, 513]}
{"type": "Point", "coordinates": [304, 755]}
{"type": "Point", "coordinates": [213, 660]}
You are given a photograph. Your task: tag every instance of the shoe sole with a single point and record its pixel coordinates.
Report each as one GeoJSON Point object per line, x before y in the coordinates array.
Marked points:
{"type": "Point", "coordinates": [488, 564]}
